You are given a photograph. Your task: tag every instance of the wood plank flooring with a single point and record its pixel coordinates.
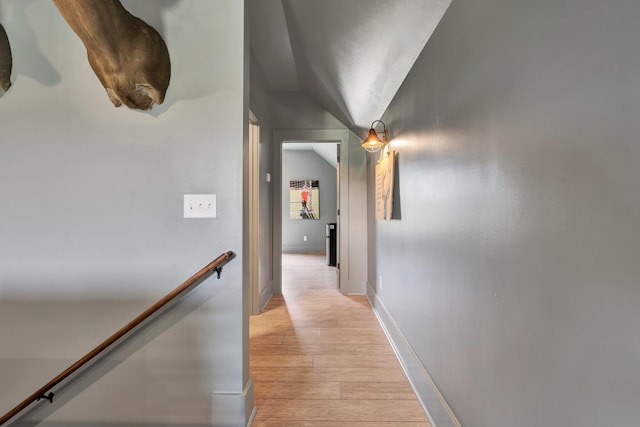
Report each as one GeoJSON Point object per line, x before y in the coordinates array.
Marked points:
{"type": "Point", "coordinates": [320, 359]}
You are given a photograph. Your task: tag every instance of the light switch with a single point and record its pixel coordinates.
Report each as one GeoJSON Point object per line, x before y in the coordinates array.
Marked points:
{"type": "Point", "coordinates": [199, 205]}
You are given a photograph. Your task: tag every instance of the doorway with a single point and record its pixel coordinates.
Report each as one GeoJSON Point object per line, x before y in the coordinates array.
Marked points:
{"type": "Point", "coordinates": [310, 202]}
{"type": "Point", "coordinates": [341, 137]}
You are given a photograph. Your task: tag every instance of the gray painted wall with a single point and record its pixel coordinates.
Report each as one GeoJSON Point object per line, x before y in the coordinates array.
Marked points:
{"type": "Point", "coordinates": [307, 164]}
{"type": "Point", "coordinates": [513, 273]}
{"type": "Point", "coordinates": [91, 227]}
{"type": "Point", "coordinates": [295, 110]}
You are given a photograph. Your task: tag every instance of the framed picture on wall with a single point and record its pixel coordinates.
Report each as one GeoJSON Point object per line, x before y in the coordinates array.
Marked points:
{"type": "Point", "coordinates": [385, 171]}
{"type": "Point", "coordinates": [304, 199]}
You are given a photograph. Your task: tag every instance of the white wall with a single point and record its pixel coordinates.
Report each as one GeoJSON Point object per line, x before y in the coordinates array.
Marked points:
{"type": "Point", "coordinates": [91, 229]}
{"type": "Point", "coordinates": [513, 273]}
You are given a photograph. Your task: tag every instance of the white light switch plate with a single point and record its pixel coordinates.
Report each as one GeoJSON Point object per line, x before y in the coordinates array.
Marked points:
{"type": "Point", "coordinates": [199, 205]}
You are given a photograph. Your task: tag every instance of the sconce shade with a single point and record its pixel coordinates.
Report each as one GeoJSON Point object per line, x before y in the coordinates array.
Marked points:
{"type": "Point", "coordinates": [373, 144]}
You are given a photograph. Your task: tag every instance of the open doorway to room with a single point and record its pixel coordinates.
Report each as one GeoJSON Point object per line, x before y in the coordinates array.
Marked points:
{"type": "Point", "coordinates": [351, 206]}
{"type": "Point", "coordinates": [310, 202]}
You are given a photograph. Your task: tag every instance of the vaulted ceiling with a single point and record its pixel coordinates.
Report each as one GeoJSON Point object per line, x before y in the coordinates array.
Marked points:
{"type": "Point", "coordinates": [350, 56]}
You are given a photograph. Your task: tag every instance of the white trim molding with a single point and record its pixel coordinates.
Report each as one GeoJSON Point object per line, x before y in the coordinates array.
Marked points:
{"type": "Point", "coordinates": [233, 409]}
{"type": "Point", "coordinates": [434, 404]}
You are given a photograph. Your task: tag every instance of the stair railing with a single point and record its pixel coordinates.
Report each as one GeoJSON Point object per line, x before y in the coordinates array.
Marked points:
{"type": "Point", "coordinates": [46, 391]}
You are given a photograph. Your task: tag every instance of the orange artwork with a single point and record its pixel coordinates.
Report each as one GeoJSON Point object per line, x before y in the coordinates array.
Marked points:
{"type": "Point", "coordinates": [304, 199]}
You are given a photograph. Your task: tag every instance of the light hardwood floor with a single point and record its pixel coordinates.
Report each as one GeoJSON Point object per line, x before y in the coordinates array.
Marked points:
{"type": "Point", "coordinates": [320, 359]}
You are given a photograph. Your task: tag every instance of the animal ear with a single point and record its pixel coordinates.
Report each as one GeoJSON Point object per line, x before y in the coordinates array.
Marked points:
{"type": "Point", "coordinates": [141, 98]}
{"type": "Point", "coordinates": [113, 96]}
{"type": "Point", "coordinates": [149, 91]}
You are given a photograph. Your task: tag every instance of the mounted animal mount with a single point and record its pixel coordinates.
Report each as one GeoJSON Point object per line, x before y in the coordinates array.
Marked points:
{"type": "Point", "coordinates": [5, 62]}
{"type": "Point", "coordinates": [129, 57]}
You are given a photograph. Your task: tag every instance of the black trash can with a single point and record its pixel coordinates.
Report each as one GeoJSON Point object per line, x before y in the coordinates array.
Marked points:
{"type": "Point", "coordinates": [332, 244]}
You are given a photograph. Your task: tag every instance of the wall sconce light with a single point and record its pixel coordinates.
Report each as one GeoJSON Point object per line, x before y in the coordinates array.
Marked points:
{"type": "Point", "coordinates": [373, 143]}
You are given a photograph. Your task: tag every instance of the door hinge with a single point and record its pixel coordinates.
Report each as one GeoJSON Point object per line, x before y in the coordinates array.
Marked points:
{"type": "Point", "coordinates": [338, 211]}
{"type": "Point", "coordinates": [338, 266]}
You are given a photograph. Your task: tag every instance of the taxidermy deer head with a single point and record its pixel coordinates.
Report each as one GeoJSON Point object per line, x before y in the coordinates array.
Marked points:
{"type": "Point", "coordinates": [5, 62]}
{"type": "Point", "coordinates": [128, 56]}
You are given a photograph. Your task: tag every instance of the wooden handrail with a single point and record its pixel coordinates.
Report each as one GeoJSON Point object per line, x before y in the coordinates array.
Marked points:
{"type": "Point", "coordinates": [214, 266]}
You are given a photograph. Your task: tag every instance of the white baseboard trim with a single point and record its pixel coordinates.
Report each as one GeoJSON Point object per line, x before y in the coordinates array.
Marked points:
{"type": "Point", "coordinates": [434, 404]}
{"type": "Point", "coordinates": [252, 416]}
{"type": "Point", "coordinates": [233, 409]}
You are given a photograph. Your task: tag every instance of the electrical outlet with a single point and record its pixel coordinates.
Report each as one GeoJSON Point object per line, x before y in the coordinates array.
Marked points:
{"type": "Point", "coordinates": [304, 238]}
{"type": "Point", "coordinates": [380, 283]}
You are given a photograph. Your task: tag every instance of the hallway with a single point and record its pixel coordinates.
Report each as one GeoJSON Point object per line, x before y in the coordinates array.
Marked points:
{"type": "Point", "coordinates": [319, 358]}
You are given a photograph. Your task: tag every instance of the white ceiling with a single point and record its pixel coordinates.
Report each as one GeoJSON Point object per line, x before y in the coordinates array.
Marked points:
{"type": "Point", "coordinates": [351, 56]}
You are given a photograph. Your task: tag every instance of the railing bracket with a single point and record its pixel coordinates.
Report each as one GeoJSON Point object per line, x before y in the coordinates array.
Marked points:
{"type": "Point", "coordinates": [48, 397]}
{"type": "Point", "coordinates": [218, 270]}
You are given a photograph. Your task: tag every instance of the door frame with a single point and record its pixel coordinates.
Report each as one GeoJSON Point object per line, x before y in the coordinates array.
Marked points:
{"type": "Point", "coordinates": [280, 137]}
{"type": "Point", "coordinates": [253, 210]}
